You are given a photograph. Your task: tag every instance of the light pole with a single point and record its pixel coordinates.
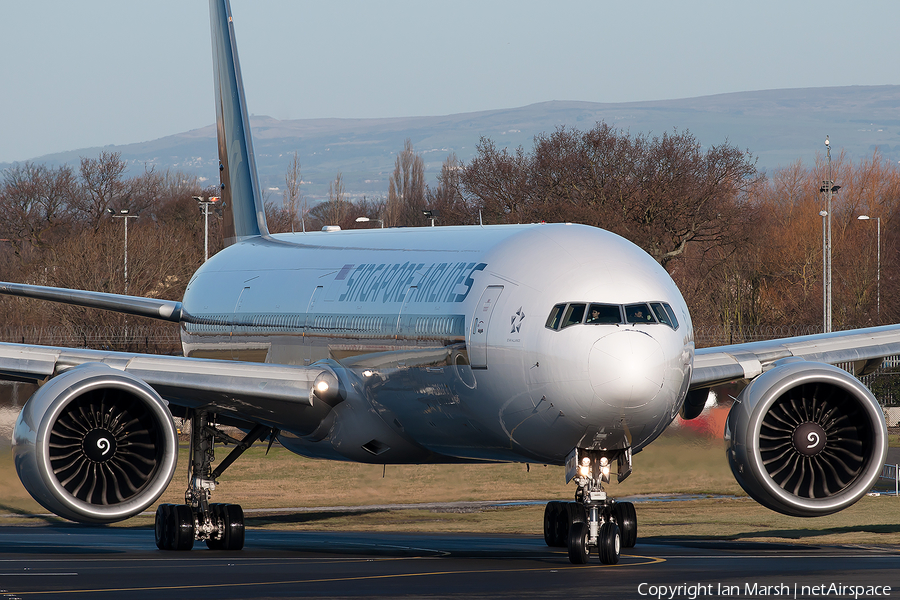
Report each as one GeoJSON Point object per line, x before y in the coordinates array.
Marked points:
{"type": "Point", "coordinates": [204, 206]}
{"type": "Point", "coordinates": [878, 270]}
{"type": "Point", "coordinates": [430, 214]}
{"type": "Point", "coordinates": [829, 189]}
{"type": "Point", "coordinates": [367, 219]}
{"type": "Point", "coordinates": [824, 214]}
{"type": "Point", "coordinates": [124, 215]}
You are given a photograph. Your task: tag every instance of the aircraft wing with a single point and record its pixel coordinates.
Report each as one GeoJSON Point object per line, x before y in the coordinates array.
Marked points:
{"type": "Point", "coordinates": [166, 310]}
{"type": "Point", "coordinates": [863, 349]}
{"type": "Point", "coordinates": [263, 393]}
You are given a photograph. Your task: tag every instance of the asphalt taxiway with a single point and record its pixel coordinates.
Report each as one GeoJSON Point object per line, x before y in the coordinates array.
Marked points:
{"type": "Point", "coordinates": [71, 561]}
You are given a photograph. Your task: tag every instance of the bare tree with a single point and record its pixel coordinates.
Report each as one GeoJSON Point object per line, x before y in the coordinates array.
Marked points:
{"type": "Point", "coordinates": [496, 183]}
{"type": "Point", "coordinates": [34, 204]}
{"type": "Point", "coordinates": [447, 198]}
{"type": "Point", "coordinates": [337, 210]}
{"type": "Point", "coordinates": [293, 201]}
{"type": "Point", "coordinates": [406, 189]}
{"type": "Point", "coordinates": [662, 193]}
{"type": "Point", "coordinates": [102, 187]}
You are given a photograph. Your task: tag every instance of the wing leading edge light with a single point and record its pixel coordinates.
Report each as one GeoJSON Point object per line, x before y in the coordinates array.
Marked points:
{"type": "Point", "coordinates": [551, 343]}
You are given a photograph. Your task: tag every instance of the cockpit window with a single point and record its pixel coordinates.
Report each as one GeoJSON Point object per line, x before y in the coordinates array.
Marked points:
{"type": "Point", "coordinates": [604, 314]}
{"type": "Point", "coordinates": [660, 313]}
{"type": "Point", "coordinates": [672, 316]}
{"type": "Point", "coordinates": [595, 313]}
{"type": "Point", "coordinates": [574, 315]}
{"type": "Point", "coordinates": [638, 313]}
{"type": "Point", "coordinates": [555, 316]}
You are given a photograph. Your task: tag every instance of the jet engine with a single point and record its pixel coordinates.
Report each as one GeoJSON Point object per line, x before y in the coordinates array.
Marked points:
{"type": "Point", "coordinates": [806, 439]}
{"type": "Point", "coordinates": [95, 445]}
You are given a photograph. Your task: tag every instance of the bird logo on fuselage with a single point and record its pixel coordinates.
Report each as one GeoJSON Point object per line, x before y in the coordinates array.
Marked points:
{"type": "Point", "coordinates": [516, 321]}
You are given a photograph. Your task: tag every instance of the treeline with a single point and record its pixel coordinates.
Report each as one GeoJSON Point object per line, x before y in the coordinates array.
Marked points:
{"type": "Point", "coordinates": [64, 227]}
{"type": "Point", "coordinates": [744, 246]}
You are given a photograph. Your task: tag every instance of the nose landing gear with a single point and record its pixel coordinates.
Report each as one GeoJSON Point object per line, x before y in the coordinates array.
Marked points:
{"type": "Point", "coordinates": [593, 521]}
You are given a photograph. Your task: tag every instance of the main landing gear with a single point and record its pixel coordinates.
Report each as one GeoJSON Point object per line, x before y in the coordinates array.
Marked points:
{"type": "Point", "coordinates": [593, 521]}
{"type": "Point", "coordinates": [221, 526]}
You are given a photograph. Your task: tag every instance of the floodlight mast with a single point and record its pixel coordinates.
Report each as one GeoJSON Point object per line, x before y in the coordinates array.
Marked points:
{"type": "Point", "coordinates": [828, 188]}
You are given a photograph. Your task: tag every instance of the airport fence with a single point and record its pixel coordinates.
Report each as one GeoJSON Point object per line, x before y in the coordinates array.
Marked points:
{"type": "Point", "coordinates": [152, 339]}
{"type": "Point", "coordinates": [712, 335]}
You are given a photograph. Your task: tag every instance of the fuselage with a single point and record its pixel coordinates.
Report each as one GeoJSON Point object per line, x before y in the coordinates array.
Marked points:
{"type": "Point", "coordinates": [460, 343]}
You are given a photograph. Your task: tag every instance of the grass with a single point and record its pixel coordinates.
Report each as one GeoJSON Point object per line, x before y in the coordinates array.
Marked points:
{"type": "Point", "coordinates": [675, 464]}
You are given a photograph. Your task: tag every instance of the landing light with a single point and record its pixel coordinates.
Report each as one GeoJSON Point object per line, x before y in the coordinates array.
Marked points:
{"type": "Point", "coordinates": [604, 467]}
{"type": "Point", "coordinates": [584, 470]}
{"type": "Point", "coordinates": [322, 387]}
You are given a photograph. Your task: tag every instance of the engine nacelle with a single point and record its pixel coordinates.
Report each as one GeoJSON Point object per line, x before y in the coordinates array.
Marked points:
{"type": "Point", "coordinates": [95, 445]}
{"type": "Point", "coordinates": [806, 439]}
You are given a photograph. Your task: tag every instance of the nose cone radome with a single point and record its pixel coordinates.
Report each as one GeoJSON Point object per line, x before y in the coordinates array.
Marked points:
{"type": "Point", "coordinates": [627, 368]}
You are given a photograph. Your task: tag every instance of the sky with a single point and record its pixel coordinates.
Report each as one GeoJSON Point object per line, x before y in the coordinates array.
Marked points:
{"type": "Point", "coordinates": [100, 72]}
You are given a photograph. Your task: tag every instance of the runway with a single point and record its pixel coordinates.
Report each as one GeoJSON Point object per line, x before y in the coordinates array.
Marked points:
{"type": "Point", "coordinates": [71, 561]}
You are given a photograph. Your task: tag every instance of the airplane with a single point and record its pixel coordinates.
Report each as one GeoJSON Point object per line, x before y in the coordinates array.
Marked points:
{"type": "Point", "coordinates": [557, 344]}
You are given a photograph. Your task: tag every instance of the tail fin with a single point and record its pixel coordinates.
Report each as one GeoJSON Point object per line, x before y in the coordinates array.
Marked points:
{"type": "Point", "coordinates": [244, 211]}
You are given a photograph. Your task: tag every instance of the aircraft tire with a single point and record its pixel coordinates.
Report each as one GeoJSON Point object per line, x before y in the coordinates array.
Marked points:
{"type": "Point", "coordinates": [626, 518]}
{"type": "Point", "coordinates": [609, 543]}
{"type": "Point", "coordinates": [181, 523]}
{"type": "Point", "coordinates": [233, 538]}
{"type": "Point", "coordinates": [563, 522]}
{"type": "Point", "coordinates": [577, 512]}
{"type": "Point", "coordinates": [550, 519]}
{"type": "Point", "coordinates": [161, 530]}
{"type": "Point", "coordinates": [578, 548]}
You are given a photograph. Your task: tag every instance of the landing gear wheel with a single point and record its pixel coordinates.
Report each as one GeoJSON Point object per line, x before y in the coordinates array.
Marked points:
{"type": "Point", "coordinates": [563, 522]}
{"type": "Point", "coordinates": [182, 524]}
{"type": "Point", "coordinates": [558, 517]}
{"type": "Point", "coordinates": [173, 527]}
{"type": "Point", "coordinates": [609, 543]}
{"type": "Point", "coordinates": [233, 532]}
{"type": "Point", "coordinates": [626, 518]}
{"type": "Point", "coordinates": [578, 548]}
{"type": "Point", "coordinates": [161, 530]}
{"type": "Point", "coordinates": [554, 516]}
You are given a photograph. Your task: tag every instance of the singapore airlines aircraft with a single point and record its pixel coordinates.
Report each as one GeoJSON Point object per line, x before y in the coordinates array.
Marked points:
{"type": "Point", "coordinates": [550, 343]}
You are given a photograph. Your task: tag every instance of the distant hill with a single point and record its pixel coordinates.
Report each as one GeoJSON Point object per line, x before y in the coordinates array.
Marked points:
{"type": "Point", "coordinates": [778, 127]}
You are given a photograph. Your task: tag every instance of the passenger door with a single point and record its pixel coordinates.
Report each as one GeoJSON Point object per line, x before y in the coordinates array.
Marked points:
{"type": "Point", "coordinates": [478, 332]}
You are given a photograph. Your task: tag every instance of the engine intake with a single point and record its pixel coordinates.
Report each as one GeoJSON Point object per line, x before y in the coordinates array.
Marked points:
{"type": "Point", "coordinates": [95, 445]}
{"type": "Point", "coordinates": [806, 439]}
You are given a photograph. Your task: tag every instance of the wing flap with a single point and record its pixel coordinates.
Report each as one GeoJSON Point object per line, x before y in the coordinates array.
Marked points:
{"type": "Point", "coordinates": [26, 363]}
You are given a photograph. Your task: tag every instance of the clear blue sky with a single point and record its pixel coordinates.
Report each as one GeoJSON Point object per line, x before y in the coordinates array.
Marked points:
{"type": "Point", "coordinates": [98, 72]}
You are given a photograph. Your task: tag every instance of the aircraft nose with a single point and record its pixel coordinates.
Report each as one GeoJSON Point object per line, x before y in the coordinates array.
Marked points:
{"type": "Point", "coordinates": [627, 368]}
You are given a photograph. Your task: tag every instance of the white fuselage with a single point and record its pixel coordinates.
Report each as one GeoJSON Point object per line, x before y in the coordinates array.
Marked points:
{"type": "Point", "coordinates": [444, 332]}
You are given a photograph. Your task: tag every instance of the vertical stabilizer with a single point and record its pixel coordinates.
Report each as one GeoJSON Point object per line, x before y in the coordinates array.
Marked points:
{"type": "Point", "coordinates": [244, 212]}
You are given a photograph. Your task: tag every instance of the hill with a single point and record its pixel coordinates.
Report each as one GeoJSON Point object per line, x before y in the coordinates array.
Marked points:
{"type": "Point", "coordinates": [778, 127]}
